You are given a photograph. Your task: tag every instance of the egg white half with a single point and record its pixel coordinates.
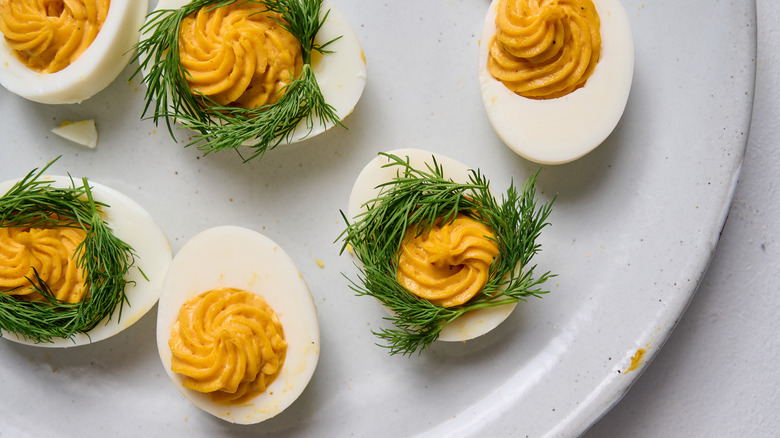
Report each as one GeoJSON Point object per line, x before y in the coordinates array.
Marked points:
{"type": "Point", "coordinates": [231, 256]}
{"type": "Point", "coordinates": [341, 74]}
{"type": "Point", "coordinates": [473, 324]}
{"type": "Point", "coordinates": [557, 131]}
{"type": "Point", "coordinates": [132, 224]}
{"type": "Point", "coordinates": [94, 70]}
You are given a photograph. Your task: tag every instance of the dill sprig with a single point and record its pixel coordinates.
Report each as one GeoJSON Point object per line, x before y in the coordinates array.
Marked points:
{"type": "Point", "coordinates": [416, 199]}
{"type": "Point", "coordinates": [223, 126]}
{"type": "Point", "coordinates": [104, 259]}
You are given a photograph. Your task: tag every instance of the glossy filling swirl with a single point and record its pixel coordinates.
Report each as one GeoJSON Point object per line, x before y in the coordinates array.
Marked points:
{"type": "Point", "coordinates": [48, 35]}
{"type": "Point", "coordinates": [449, 264]}
{"type": "Point", "coordinates": [545, 49]}
{"type": "Point", "coordinates": [49, 251]}
{"type": "Point", "coordinates": [228, 343]}
{"type": "Point", "coordinates": [238, 55]}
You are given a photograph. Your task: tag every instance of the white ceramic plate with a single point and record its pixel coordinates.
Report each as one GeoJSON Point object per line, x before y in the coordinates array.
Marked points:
{"type": "Point", "coordinates": [634, 227]}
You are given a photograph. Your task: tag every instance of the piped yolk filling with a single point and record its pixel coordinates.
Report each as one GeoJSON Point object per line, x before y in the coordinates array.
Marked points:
{"type": "Point", "coordinates": [49, 35]}
{"type": "Point", "coordinates": [450, 263]}
{"type": "Point", "coordinates": [227, 343]}
{"type": "Point", "coordinates": [51, 252]}
{"type": "Point", "coordinates": [544, 49]}
{"type": "Point", "coordinates": [238, 55]}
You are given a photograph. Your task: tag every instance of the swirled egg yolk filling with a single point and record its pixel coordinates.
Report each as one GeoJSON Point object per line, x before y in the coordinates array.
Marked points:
{"type": "Point", "coordinates": [51, 252]}
{"type": "Point", "coordinates": [228, 343]}
{"type": "Point", "coordinates": [449, 263]}
{"type": "Point", "coordinates": [48, 35]}
{"type": "Point", "coordinates": [238, 55]}
{"type": "Point", "coordinates": [545, 49]}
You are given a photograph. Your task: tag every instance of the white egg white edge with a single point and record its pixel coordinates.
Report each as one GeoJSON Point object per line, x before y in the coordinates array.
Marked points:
{"type": "Point", "coordinates": [231, 256]}
{"type": "Point", "coordinates": [558, 131]}
{"type": "Point", "coordinates": [133, 225]}
{"type": "Point", "coordinates": [94, 70]}
{"type": "Point", "coordinates": [473, 324]}
{"type": "Point", "coordinates": [341, 74]}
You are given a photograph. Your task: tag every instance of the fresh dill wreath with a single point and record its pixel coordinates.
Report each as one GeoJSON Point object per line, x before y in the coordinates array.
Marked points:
{"type": "Point", "coordinates": [224, 126]}
{"type": "Point", "coordinates": [416, 199]}
{"type": "Point", "coordinates": [104, 259]}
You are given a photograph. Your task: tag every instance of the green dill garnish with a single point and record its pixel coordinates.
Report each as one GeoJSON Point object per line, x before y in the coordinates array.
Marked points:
{"type": "Point", "coordinates": [223, 126]}
{"type": "Point", "coordinates": [418, 198]}
{"type": "Point", "coordinates": [104, 259]}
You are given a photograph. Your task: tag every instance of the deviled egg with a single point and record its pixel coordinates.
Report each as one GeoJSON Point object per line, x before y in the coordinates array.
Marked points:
{"type": "Point", "coordinates": [237, 328]}
{"type": "Point", "coordinates": [555, 77]}
{"type": "Point", "coordinates": [250, 80]}
{"type": "Point", "coordinates": [26, 247]}
{"type": "Point", "coordinates": [447, 260]}
{"type": "Point", "coordinates": [62, 52]}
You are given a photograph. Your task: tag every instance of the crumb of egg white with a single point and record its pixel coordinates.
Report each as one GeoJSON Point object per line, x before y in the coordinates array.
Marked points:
{"type": "Point", "coordinates": [83, 132]}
